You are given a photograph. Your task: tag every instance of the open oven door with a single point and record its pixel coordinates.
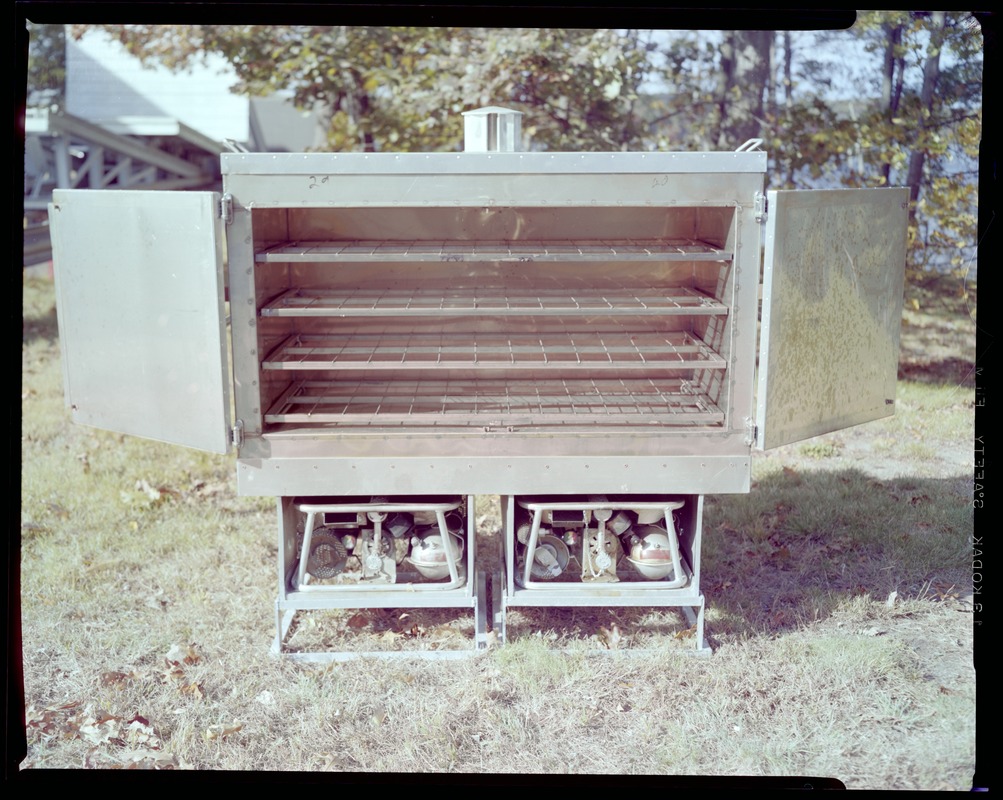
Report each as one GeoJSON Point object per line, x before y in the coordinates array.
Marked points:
{"type": "Point", "coordinates": [833, 280]}
{"type": "Point", "coordinates": [140, 301]}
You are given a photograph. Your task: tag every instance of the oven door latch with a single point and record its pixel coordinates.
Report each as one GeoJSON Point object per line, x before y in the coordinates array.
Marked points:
{"type": "Point", "coordinates": [759, 207]}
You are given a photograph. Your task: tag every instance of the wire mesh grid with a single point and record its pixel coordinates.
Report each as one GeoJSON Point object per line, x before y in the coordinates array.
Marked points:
{"type": "Point", "coordinates": [535, 250]}
{"type": "Point", "coordinates": [417, 302]}
{"type": "Point", "coordinates": [501, 402]}
{"type": "Point", "coordinates": [580, 350]}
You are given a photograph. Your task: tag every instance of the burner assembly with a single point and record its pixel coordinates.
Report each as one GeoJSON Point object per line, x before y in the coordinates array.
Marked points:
{"type": "Point", "coordinates": [577, 333]}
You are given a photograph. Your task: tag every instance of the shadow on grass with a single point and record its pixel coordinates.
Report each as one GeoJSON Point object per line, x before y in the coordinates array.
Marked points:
{"type": "Point", "coordinates": [798, 547]}
{"type": "Point", "coordinates": [802, 544]}
{"type": "Point", "coordinates": [949, 371]}
{"type": "Point", "coordinates": [938, 344]}
{"type": "Point", "coordinates": [38, 313]}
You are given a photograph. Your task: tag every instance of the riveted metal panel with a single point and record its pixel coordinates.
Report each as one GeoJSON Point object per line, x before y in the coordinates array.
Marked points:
{"type": "Point", "coordinates": [532, 180]}
{"type": "Point", "coordinates": [486, 474]}
{"type": "Point", "coordinates": [319, 164]}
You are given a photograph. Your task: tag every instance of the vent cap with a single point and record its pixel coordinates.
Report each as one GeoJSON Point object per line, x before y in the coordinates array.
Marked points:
{"type": "Point", "coordinates": [492, 129]}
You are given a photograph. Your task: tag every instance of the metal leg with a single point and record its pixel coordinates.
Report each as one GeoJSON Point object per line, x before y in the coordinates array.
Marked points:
{"type": "Point", "coordinates": [282, 625]}
{"type": "Point", "coordinates": [481, 612]}
{"type": "Point", "coordinates": [305, 553]}
{"type": "Point", "coordinates": [696, 618]}
{"type": "Point", "coordinates": [498, 606]}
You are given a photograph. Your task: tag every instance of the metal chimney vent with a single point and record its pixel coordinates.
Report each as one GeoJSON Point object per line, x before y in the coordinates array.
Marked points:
{"type": "Point", "coordinates": [492, 129]}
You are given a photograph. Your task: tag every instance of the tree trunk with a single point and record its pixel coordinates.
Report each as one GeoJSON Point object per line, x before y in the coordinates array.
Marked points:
{"type": "Point", "coordinates": [788, 97]}
{"type": "Point", "coordinates": [931, 72]}
{"type": "Point", "coordinates": [891, 88]}
{"type": "Point", "coordinates": [771, 83]}
{"type": "Point", "coordinates": [745, 67]}
{"type": "Point", "coordinates": [788, 82]}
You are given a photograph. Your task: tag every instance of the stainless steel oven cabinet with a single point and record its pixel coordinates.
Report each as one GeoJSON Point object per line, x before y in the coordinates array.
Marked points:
{"type": "Point", "coordinates": [504, 323]}
{"type": "Point", "coordinates": [436, 326]}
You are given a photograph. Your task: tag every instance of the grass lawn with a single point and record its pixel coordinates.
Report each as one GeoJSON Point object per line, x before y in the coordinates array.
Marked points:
{"type": "Point", "coordinates": [838, 591]}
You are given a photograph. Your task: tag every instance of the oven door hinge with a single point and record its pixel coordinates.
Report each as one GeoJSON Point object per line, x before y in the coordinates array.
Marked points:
{"type": "Point", "coordinates": [759, 206]}
{"type": "Point", "coordinates": [751, 431]}
{"type": "Point", "coordinates": [237, 434]}
{"type": "Point", "coordinates": [226, 208]}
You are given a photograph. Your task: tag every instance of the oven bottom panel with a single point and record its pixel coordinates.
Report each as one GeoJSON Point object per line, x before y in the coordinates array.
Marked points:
{"type": "Point", "coordinates": [488, 472]}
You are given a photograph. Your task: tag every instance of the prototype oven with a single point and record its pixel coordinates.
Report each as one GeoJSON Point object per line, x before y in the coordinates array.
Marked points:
{"type": "Point", "coordinates": [574, 332]}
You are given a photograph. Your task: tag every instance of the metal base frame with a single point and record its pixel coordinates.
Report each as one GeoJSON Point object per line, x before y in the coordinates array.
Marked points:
{"type": "Point", "coordinates": [297, 593]}
{"type": "Point", "coordinates": [680, 589]}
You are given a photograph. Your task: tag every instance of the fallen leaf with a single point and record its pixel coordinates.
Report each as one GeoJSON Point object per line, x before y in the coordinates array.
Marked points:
{"type": "Point", "coordinates": [610, 637]}
{"type": "Point", "coordinates": [791, 474]}
{"type": "Point", "coordinates": [359, 620]}
{"type": "Point", "coordinates": [148, 759]}
{"type": "Point", "coordinates": [179, 654]}
{"type": "Point", "coordinates": [222, 731]}
{"type": "Point", "coordinates": [98, 732]}
{"type": "Point", "coordinates": [173, 673]}
{"type": "Point", "coordinates": [141, 732]}
{"type": "Point", "coordinates": [114, 678]}
{"type": "Point", "coordinates": [193, 690]}
{"type": "Point", "coordinates": [58, 510]}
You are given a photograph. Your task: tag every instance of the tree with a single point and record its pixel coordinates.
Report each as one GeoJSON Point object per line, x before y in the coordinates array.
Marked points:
{"type": "Point", "coordinates": [719, 88]}
{"type": "Point", "coordinates": [46, 71]}
{"type": "Point", "coordinates": [400, 88]}
{"type": "Point", "coordinates": [910, 114]}
{"type": "Point", "coordinates": [744, 79]}
{"type": "Point", "coordinates": [926, 132]}
{"type": "Point", "coordinates": [913, 118]}
{"type": "Point", "coordinates": [579, 89]}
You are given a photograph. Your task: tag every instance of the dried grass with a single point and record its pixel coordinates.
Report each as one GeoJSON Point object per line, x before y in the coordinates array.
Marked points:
{"type": "Point", "coordinates": [148, 590]}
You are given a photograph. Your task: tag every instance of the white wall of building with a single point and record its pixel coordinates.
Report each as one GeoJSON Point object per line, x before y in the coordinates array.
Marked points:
{"type": "Point", "coordinates": [103, 81]}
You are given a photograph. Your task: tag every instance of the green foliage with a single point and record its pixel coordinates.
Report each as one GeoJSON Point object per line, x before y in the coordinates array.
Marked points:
{"type": "Point", "coordinates": [922, 130]}
{"type": "Point", "coordinates": [46, 60]}
{"type": "Point", "coordinates": [400, 88]}
{"type": "Point", "coordinates": [904, 110]}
